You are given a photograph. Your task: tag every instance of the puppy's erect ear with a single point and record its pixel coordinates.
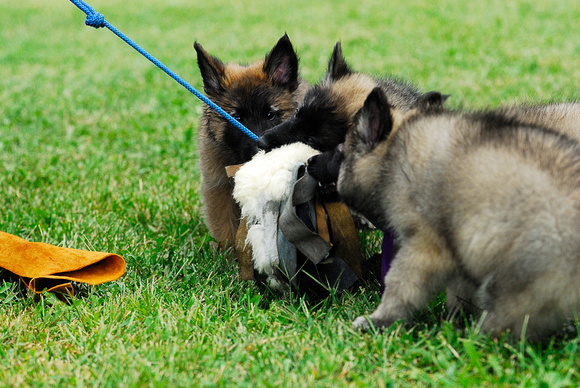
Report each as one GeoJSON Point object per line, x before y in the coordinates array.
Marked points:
{"type": "Point", "coordinates": [374, 121]}
{"type": "Point", "coordinates": [212, 70]}
{"type": "Point", "coordinates": [281, 64]}
{"type": "Point", "coordinates": [431, 101]}
{"type": "Point", "coordinates": [337, 67]}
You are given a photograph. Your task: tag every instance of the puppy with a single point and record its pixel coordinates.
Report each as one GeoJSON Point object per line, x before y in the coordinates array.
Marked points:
{"type": "Point", "coordinates": [260, 96]}
{"type": "Point", "coordinates": [328, 109]}
{"type": "Point", "coordinates": [476, 197]}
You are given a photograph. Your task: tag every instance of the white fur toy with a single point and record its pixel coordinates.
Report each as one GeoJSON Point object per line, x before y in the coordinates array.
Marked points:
{"type": "Point", "coordinates": [261, 186]}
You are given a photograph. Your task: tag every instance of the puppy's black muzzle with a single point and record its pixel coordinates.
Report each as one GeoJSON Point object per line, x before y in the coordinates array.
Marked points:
{"type": "Point", "coordinates": [279, 135]}
{"type": "Point", "coordinates": [326, 166]}
{"type": "Point", "coordinates": [263, 144]}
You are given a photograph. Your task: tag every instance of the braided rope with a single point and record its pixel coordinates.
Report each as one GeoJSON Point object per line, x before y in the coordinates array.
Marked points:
{"type": "Point", "coordinates": [97, 20]}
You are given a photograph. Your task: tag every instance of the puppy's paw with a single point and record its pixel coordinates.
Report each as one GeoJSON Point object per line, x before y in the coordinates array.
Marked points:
{"type": "Point", "coordinates": [362, 324]}
{"type": "Point", "coordinates": [373, 321]}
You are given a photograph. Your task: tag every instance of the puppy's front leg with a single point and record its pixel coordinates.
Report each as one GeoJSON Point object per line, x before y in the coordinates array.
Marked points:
{"type": "Point", "coordinates": [419, 270]}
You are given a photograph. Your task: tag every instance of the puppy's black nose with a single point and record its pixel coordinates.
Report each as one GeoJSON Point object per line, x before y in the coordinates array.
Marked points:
{"type": "Point", "coordinates": [311, 166]}
{"type": "Point", "coordinates": [262, 143]}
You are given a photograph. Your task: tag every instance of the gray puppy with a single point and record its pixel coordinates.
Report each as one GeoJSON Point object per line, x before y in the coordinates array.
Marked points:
{"type": "Point", "coordinates": [477, 200]}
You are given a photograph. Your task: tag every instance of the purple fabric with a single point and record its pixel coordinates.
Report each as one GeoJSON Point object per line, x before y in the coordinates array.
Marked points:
{"type": "Point", "coordinates": [387, 254]}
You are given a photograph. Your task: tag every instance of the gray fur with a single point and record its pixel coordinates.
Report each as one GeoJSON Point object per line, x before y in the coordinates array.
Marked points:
{"type": "Point", "coordinates": [563, 117]}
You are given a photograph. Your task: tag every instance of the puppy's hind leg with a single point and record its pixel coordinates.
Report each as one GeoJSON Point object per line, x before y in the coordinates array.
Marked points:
{"type": "Point", "coordinates": [421, 268]}
{"type": "Point", "coordinates": [530, 308]}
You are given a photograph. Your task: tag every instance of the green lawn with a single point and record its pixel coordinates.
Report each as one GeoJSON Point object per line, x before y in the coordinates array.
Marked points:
{"type": "Point", "coordinates": [98, 151]}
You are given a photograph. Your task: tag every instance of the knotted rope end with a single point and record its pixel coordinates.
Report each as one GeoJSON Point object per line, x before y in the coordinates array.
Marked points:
{"type": "Point", "coordinates": [95, 19]}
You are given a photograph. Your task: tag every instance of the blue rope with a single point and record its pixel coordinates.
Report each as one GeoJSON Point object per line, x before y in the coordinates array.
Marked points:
{"type": "Point", "coordinates": [97, 20]}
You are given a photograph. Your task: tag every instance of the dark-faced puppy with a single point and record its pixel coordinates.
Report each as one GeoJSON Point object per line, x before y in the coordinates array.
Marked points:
{"type": "Point", "coordinates": [471, 196]}
{"type": "Point", "coordinates": [328, 109]}
{"type": "Point", "coordinates": [260, 96]}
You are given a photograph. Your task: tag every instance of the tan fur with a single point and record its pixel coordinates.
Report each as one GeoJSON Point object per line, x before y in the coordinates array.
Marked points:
{"type": "Point", "coordinates": [480, 203]}
{"type": "Point", "coordinates": [237, 73]}
{"type": "Point", "coordinates": [350, 92]}
{"type": "Point", "coordinates": [221, 212]}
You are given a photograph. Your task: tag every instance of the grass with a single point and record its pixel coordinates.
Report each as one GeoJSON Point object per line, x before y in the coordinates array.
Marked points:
{"type": "Point", "coordinates": [98, 151]}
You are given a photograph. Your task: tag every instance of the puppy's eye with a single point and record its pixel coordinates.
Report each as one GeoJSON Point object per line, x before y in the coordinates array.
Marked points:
{"type": "Point", "coordinates": [271, 115]}
{"type": "Point", "coordinates": [236, 116]}
{"type": "Point", "coordinates": [310, 141]}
